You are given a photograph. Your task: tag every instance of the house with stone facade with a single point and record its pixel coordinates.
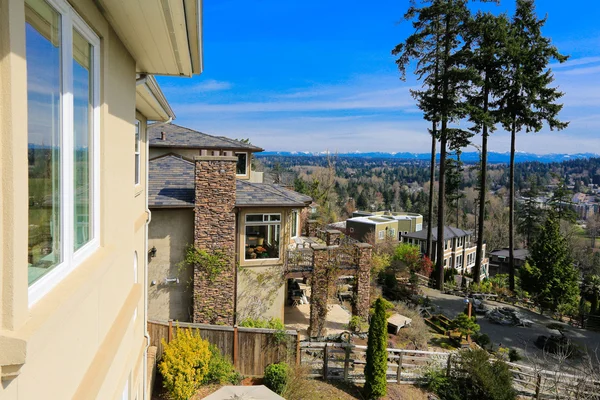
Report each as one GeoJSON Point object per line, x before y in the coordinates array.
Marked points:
{"type": "Point", "coordinates": [204, 194]}
{"type": "Point", "coordinates": [459, 248]}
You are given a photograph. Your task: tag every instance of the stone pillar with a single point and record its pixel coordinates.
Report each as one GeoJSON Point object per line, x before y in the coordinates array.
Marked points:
{"type": "Point", "coordinates": [319, 291]}
{"type": "Point", "coordinates": [363, 280]}
{"type": "Point", "coordinates": [214, 230]}
{"type": "Point", "coordinates": [332, 237]}
{"type": "Point", "coordinates": [311, 227]}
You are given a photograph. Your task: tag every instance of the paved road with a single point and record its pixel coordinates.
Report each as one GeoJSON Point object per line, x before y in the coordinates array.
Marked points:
{"type": "Point", "coordinates": [520, 338]}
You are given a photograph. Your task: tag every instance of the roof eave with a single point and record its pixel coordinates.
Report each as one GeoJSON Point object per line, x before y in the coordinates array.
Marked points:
{"type": "Point", "coordinates": [151, 101]}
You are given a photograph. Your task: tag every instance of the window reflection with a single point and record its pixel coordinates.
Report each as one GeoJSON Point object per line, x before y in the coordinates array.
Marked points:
{"type": "Point", "coordinates": [43, 52]}
{"type": "Point", "coordinates": [82, 134]}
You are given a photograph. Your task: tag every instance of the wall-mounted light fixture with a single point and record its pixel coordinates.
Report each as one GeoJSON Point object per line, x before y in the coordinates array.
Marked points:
{"type": "Point", "coordinates": [152, 252]}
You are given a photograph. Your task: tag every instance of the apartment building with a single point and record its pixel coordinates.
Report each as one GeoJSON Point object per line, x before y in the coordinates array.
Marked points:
{"type": "Point", "coordinates": [77, 93]}
{"type": "Point", "coordinates": [380, 225]}
{"type": "Point", "coordinates": [459, 248]}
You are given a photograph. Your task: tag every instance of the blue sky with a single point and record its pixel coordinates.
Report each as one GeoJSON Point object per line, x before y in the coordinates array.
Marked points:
{"type": "Point", "coordinates": [318, 75]}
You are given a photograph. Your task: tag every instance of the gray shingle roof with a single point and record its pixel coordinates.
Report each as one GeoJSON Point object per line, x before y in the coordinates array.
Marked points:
{"type": "Point", "coordinates": [520, 254]}
{"type": "Point", "coordinates": [171, 185]}
{"type": "Point", "coordinates": [449, 233]}
{"type": "Point", "coordinates": [179, 136]}
{"type": "Point", "coordinates": [170, 182]}
{"type": "Point", "coordinates": [250, 194]}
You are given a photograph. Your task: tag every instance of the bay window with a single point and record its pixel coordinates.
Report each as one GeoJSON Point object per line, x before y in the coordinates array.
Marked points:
{"type": "Point", "coordinates": [62, 56]}
{"type": "Point", "coordinates": [263, 233]}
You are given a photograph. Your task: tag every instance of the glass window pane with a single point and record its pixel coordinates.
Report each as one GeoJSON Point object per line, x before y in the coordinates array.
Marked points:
{"type": "Point", "coordinates": [42, 33]}
{"type": "Point", "coordinates": [275, 217]}
{"type": "Point", "coordinates": [241, 163]}
{"type": "Point", "coordinates": [262, 241]}
{"type": "Point", "coordinates": [82, 137]}
{"type": "Point", "coordinates": [254, 218]}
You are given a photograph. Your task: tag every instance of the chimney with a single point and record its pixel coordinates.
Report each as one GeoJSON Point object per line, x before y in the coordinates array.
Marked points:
{"type": "Point", "coordinates": [163, 136]}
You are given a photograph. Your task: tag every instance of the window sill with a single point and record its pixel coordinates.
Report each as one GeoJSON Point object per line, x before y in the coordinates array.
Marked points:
{"type": "Point", "coordinates": [13, 354]}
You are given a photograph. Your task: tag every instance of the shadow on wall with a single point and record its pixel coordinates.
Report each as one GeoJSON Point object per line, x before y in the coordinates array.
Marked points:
{"type": "Point", "coordinates": [171, 287]}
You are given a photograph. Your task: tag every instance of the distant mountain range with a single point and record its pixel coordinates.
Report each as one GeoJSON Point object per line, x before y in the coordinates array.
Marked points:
{"type": "Point", "coordinates": [467, 157]}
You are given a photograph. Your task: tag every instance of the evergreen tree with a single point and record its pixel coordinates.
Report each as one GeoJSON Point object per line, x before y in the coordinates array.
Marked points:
{"type": "Point", "coordinates": [549, 274]}
{"type": "Point", "coordinates": [454, 182]}
{"type": "Point", "coordinates": [439, 47]}
{"type": "Point", "coordinates": [561, 203]}
{"type": "Point", "coordinates": [375, 370]}
{"type": "Point", "coordinates": [488, 34]}
{"type": "Point", "coordinates": [529, 214]}
{"type": "Point", "coordinates": [526, 98]}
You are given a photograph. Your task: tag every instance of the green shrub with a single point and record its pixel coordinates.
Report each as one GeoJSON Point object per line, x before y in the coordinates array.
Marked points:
{"type": "Point", "coordinates": [464, 325]}
{"type": "Point", "coordinates": [357, 324]}
{"type": "Point", "coordinates": [271, 323]}
{"type": "Point", "coordinates": [276, 377]}
{"type": "Point", "coordinates": [485, 380]}
{"type": "Point", "coordinates": [447, 388]}
{"type": "Point", "coordinates": [375, 370]}
{"type": "Point", "coordinates": [220, 369]}
{"type": "Point", "coordinates": [185, 363]}
{"type": "Point", "coordinates": [482, 339]}
{"type": "Point", "coordinates": [513, 355]}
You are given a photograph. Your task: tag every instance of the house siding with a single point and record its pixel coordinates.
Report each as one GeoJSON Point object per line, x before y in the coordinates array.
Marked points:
{"type": "Point", "coordinates": [81, 340]}
{"type": "Point", "coordinates": [170, 231]}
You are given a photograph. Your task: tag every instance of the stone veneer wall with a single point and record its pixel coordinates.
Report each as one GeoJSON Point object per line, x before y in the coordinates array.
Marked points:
{"type": "Point", "coordinates": [323, 277]}
{"type": "Point", "coordinates": [362, 287]}
{"type": "Point", "coordinates": [214, 229]}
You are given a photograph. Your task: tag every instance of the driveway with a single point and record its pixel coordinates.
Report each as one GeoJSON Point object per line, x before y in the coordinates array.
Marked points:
{"type": "Point", "coordinates": [520, 338]}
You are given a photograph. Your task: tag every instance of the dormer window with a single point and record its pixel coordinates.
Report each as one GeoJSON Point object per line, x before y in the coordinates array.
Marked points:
{"type": "Point", "coordinates": [242, 164]}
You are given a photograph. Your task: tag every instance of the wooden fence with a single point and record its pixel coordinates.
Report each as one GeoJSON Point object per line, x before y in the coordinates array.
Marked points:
{"type": "Point", "coordinates": [249, 349]}
{"type": "Point", "coordinates": [342, 361]}
{"type": "Point", "coordinates": [347, 362]}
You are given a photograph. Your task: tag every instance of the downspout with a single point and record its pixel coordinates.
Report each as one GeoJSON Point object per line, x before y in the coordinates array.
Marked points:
{"type": "Point", "coordinates": [146, 334]}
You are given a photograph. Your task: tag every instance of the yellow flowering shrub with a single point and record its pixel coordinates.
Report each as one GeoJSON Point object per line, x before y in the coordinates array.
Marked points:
{"type": "Point", "coordinates": [184, 364]}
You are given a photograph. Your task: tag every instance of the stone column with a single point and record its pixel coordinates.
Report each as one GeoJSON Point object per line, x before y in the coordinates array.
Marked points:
{"type": "Point", "coordinates": [333, 237]}
{"type": "Point", "coordinates": [311, 227]}
{"type": "Point", "coordinates": [319, 291]}
{"type": "Point", "coordinates": [214, 230]}
{"type": "Point", "coordinates": [362, 280]}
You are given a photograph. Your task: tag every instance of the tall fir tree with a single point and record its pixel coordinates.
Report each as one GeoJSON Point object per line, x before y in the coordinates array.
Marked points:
{"type": "Point", "coordinates": [439, 48]}
{"type": "Point", "coordinates": [549, 274]}
{"type": "Point", "coordinates": [376, 367]}
{"type": "Point", "coordinates": [526, 97]}
{"type": "Point", "coordinates": [488, 34]}
{"type": "Point", "coordinates": [529, 214]}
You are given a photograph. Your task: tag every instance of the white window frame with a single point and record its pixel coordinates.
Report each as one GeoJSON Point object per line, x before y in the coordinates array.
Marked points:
{"type": "Point", "coordinates": [392, 232]}
{"type": "Point", "coordinates": [266, 221]}
{"type": "Point", "coordinates": [138, 152]}
{"type": "Point", "coordinates": [381, 235]}
{"type": "Point", "coordinates": [296, 222]}
{"type": "Point", "coordinates": [71, 259]}
{"type": "Point", "coordinates": [247, 162]}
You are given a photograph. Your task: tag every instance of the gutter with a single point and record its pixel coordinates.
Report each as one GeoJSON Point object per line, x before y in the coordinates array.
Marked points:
{"type": "Point", "coordinates": [146, 225]}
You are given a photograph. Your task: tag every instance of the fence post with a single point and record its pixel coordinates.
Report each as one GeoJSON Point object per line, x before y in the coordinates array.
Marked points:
{"type": "Point", "coordinates": [325, 362]}
{"type": "Point", "coordinates": [347, 362]}
{"type": "Point", "coordinates": [399, 372]}
{"type": "Point", "coordinates": [449, 365]}
{"type": "Point", "coordinates": [170, 336]}
{"type": "Point", "coordinates": [298, 356]}
{"type": "Point", "coordinates": [538, 386]}
{"type": "Point", "coordinates": [235, 346]}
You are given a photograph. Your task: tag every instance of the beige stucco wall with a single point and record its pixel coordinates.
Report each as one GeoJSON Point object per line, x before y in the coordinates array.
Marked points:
{"type": "Point", "coordinates": [261, 284]}
{"type": "Point", "coordinates": [85, 338]}
{"type": "Point", "coordinates": [170, 231]}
